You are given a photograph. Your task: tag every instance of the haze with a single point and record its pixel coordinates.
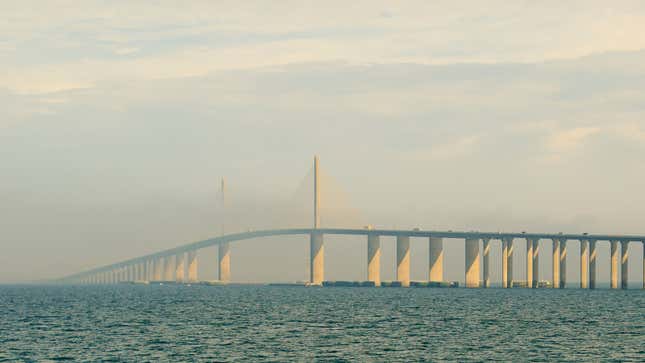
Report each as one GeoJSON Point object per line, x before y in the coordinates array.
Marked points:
{"type": "Point", "coordinates": [118, 120]}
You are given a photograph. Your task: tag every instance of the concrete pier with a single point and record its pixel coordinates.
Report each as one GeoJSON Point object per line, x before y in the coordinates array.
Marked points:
{"type": "Point", "coordinates": [505, 263]}
{"type": "Point", "coordinates": [615, 258]}
{"type": "Point", "coordinates": [224, 262]}
{"type": "Point", "coordinates": [473, 268]}
{"type": "Point", "coordinates": [529, 263]}
{"type": "Point", "coordinates": [584, 264]}
{"type": "Point", "coordinates": [563, 263]}
{"type": "Point", "coordinates": [316, 259]}
{"type": "Point", "coordinates": [435, 260]}
{"type": "Point", "coordinates": [144, 271]}
{"type": "Point", "coordinates": [179, 267]}
{"type": "Point", "coordinates": [536, 263]}
{"type": "Point", "coordinates": [593, 253]}
{"type": "Point", "coordinates": [624, 265]}
{"type": "Point", "coordinates": [403, 260]}
{"type": "Point", "coordinates": [167, 269]}
{"type": "Point", "coordinates": [156, 268]}
{"type": "Point", "coordinates": [509, 262]}
{"type": "Point", "coordinates": [556, 264]}
{"type": "Point", "coordinates": [374, 259]}
{"type": "Point", "coordinates": [486, 247]}
{"type": "Point", "coordinates": [192, 266]}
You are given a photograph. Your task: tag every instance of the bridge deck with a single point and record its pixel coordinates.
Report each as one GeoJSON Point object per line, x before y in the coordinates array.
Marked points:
{"type": "Point", "coordinates": [361, 232]}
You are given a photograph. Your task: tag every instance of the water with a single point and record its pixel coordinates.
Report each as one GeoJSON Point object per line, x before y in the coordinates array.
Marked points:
{"type": "Point", "coordinates": [255, 323]}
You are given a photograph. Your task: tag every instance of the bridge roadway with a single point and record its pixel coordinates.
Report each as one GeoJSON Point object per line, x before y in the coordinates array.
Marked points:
{"type": "Point", "coordinates": [472, 253]}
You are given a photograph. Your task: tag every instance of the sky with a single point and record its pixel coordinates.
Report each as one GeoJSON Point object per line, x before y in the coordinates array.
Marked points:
{"type": "Point", "coordinates": [119, 118]}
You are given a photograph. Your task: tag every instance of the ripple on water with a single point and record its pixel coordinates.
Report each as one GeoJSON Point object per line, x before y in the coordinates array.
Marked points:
{"type": "Point", "coordinates": [178, 323]}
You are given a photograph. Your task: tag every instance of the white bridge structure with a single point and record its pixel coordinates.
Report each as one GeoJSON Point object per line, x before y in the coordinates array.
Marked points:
{"type": "Point", "coordinates": [172, 264]}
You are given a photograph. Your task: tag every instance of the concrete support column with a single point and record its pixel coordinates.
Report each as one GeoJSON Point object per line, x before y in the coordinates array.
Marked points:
{"type": "Point", "coordinates": [224, 262]}
{"type": "Point", "coordinates": [167, 269]}
{"type": "Point", "coordinates": [563, 264]}
{"type": "Point", "coordinates": [143, 268]}
{"type": "Point", "coordinates": [374, 259]}
{"type": "Point", "coordinates": [403, 260]}
{"type": "Point", "coordinates": [584, 264]}
{"type": "Point", "coordinates": [486, 246]}
{"type": "Point", "coordinates": [316, 259]}
{"type": "Point", "coordinates": [473, 268]}
{"type": "Point", "coordinates": [643, 244]}
{"type": "Point", "coordinates": [555, 279]}
{"type": "Point", "coordinates": [144, 271]}
{"type": "Point", "coordinates": [156, 263]}
{"type": "Point", "coordinates": [192, 266]}
{"type": "Point", "coordinates": [536, 263]}
{"type": "Point", "coordinates": [593, 253]}
{"type": "Point", "coordinates": [624, 264]}
{"type": "Point", "coordinates": [509, 262]}
{"type": "Point", "coordinates": [614, 258]}
{"type": "Point", "coordinates": [435, 272]}
{"type": "Point", "coordinates": [504, 263]}
{"type": "Point", "coordinates": [179, 267]}
{"type": "Point", "coordinates": [529, 263]}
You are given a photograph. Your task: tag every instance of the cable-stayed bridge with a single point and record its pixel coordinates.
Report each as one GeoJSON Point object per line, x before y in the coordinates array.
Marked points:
{"type": "Point", "coordinates": [179, 264]}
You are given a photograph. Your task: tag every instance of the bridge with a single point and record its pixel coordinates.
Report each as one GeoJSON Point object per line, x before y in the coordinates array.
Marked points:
{"type": "Point", "coordinates": [179, 264]}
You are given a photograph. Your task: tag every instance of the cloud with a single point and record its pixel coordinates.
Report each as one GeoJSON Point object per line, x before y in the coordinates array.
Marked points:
{"type": "Point", "coordinates": [459, 147]}
{"type": "Point", "coordinates": [631, 131]}
{"type": "Point", "coordinates": [179, 41]}
{"type": "Point", "coordinates": [569, 140]}
{"type": "Point", "coordinates": [126, 51]}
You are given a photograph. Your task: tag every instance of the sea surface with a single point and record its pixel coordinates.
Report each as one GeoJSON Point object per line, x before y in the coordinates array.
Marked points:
{"type": "Point", "coordinates": [176, 323]}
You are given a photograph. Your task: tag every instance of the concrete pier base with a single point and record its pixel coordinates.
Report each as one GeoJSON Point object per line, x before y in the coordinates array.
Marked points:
{"type": "Point", "coordinates": [555, 275]}
{"type": "Point", "coordinates": [374, 259]}
{"type": "Point", "coordinates": [584, 264]}
{"type": "Point", "coordinates": [473, 269]}
{"type": "Point", "coordinates": [179, 267]}
{"type": "Point", "coordinates": [593, 253]}
{"type": "Point", "coordinates": [435, 260]}
{"type": "Point", "coordinates": [403, 260]}
{"type": "Point", "coordinates": [224, 262]}
{"type": "Point", "coordinates": [316, 259]}
{"type": "Point", "coordinates": [563, 264]}
{"type": "Point", "coordinates": [529, 263]}
{"type": "Point", "coordinates": [486, 247]}
{"type": "Point", "coordinates": [192, 266]}
{"type": "Point", "coordinates": [613, 270]}
{"type": "Point", "coordinates": [624, 265]}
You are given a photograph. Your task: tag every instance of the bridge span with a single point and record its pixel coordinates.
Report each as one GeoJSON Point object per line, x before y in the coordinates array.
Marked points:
{"type": "Point", "coordinates": [171, 264]}
{"type": "Point", "coordinates": [180, 263]}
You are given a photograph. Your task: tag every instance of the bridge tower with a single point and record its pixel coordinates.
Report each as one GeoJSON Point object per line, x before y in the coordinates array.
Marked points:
{"type": "Point", "coordinates": [223, 250]}
{"type": "Point", "coordinates": [316, 244]}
